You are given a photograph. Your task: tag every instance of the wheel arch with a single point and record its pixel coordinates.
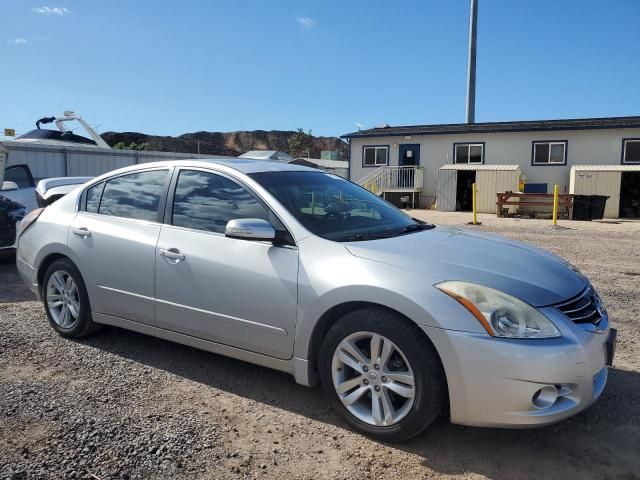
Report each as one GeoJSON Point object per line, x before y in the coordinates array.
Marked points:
{"type": "Point", "coordinates": [335, 313]}
{"type": "Point", "coordinates": [46, 262]}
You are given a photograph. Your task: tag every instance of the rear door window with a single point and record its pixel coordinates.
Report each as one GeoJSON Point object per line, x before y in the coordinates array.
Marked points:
{"type": "Point", "coordinates": [135, 196]}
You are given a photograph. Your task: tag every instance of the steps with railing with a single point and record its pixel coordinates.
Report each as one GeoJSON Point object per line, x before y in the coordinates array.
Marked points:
{"type": "Point", "coordinates": [393, 179]}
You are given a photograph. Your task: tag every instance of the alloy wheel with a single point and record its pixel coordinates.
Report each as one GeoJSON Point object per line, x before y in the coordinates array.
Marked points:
{"type": "Point", "coordinates": [373, 379]}
{"type": "Point", "coordinates": [63, 299]}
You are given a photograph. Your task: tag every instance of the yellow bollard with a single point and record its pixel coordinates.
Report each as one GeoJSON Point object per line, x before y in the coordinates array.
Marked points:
{"type": "Point", "coordinates": [555, 205]}
{"type": "Point", "coordinates": [474, 191]}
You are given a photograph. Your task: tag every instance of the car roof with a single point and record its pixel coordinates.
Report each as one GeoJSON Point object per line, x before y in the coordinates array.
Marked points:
{"type": "Point", "coordinates": [243, 165]}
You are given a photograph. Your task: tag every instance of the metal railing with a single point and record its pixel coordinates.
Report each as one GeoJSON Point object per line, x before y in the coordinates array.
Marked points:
{"type": "Point", "coordinates": [385, 179]}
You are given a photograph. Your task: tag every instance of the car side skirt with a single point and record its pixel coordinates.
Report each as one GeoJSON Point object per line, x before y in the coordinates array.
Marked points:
{"type": "Point", "coordinates": [298, 367]}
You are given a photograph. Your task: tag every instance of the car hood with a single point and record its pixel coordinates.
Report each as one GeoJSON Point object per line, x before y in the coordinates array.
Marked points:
{"type": "Point", "coordinates": [444, 253]}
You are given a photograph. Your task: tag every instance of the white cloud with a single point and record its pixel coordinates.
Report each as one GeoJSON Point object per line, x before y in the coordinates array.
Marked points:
{"type": "Point", "coordinates": [60, 11]}
{"type": "Point", "coordinates": [359, 125]}
{"type": "Point", "coordinates": [18, 41]}
{"type": "Point", "coordinates": [306, 23]}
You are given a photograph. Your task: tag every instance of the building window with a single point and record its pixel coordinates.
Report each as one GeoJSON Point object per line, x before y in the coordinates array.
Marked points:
{"type": "Point", "coordinates": [468, 153]}
{"type": "Point", "coordinates": [550, 153]}
{"type": "Point", "coordinates": [375, 156]}
{"type": "Point", "coordinates": [631, 150]}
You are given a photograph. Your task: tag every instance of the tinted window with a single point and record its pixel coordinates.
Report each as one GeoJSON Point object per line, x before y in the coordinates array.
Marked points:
{"type": "Point", "coordinates": [206, 201]}
{"type": "Point", "coordinates": [93, 198]}
{"type": "Point", "coordinates": [334, 208]}
{"type": "Point", "coordinates": [475, 154]}
{"type": "Point", "coordinates": [375, 156]}
{"type": "Point", "coordinates": [541, 153]}
{"type": "Point", "coordinates": [369, 156]}
{"type": "Point", "coordinates": [549, 153]}
{"type": "Point", "coordinates": [469, 153]}
{"type": "Point", "coordinates": [462, 153]}
{"type": "Point", "coordinates": [556, 155]}
{"type": "Point", "coordinates": [20, 175]}
{"type": "Point", "coordinates": [632, 151]}
{"type": "Point", "coordinates": [134, 196]}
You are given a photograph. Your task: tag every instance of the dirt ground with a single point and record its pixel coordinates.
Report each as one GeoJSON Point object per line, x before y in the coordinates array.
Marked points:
{"type": "Point", "coordinates": [122, 405]}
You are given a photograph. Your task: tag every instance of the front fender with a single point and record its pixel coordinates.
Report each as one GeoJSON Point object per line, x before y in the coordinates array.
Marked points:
{"type": "Point", "coordinates": [338, 277]}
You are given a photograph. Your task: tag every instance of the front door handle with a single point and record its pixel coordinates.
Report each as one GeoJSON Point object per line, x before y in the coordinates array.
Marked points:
{"type": "Point", "coordinates": [172, 253]}
{"type": "Point", "coordinates": [81, 232]}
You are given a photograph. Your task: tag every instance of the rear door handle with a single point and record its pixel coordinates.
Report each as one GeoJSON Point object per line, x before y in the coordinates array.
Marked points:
{"type": "Point", "coordinates": [172, 253]}
{"type": "Point", "coordinates": [81, 232]}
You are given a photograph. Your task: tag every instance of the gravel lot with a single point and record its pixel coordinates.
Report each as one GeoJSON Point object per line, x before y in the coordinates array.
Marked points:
{"type": "Point", "coordinates": [122, 405]}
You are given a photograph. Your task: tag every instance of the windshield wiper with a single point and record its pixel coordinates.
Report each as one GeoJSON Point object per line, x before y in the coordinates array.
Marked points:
{"type": "Point", "coordinates": [416, 227]}
{"type": "Point", "coordinates": [358, 237]}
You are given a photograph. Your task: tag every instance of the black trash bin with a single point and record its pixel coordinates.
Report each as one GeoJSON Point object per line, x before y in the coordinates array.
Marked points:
{"type": "Point", "coordinates": [598, 202]}
{"type": "Point", "coordinates": [582, 207]}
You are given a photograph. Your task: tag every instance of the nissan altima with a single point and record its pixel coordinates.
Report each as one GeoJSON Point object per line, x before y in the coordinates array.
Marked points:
{"type": "Point", "coordinates": [305, 272]}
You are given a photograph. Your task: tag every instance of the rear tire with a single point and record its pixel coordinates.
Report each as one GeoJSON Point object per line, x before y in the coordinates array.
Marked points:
{"type": "Point", "coordinates": [396, 394]}
{"type": "Point", "coordinates": [66, 301]}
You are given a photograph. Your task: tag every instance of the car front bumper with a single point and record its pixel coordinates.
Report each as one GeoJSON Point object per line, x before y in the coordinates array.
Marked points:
{"type": "Point", "coordinates": [493, 381]}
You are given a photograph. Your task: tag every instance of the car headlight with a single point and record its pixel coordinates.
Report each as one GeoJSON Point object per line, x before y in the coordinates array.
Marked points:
{"type": "Point", "coordinates": [500, 314]}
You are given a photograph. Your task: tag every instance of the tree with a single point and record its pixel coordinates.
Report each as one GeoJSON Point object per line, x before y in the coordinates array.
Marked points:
{"type": "Point", "coordinates": [120, 146]}
{"type": "Point", "coordinates": [300, 143]}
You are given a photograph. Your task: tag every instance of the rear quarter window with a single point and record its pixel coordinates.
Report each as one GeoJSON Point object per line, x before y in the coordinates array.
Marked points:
{"type": "Point", "coordinates": [93, 198]}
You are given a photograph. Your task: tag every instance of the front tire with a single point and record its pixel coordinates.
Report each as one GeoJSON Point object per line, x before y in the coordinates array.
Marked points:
{"type": "Point", "coordinates": [66, 300]}
{"type": "Point", "coordinates": [381, 375]}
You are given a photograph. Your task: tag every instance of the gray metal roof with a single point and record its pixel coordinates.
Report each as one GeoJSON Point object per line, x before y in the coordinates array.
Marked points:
{"type": "Point", "coordinates": [474, 166]}
{"type": "Point", "coordinates": [488, 127]}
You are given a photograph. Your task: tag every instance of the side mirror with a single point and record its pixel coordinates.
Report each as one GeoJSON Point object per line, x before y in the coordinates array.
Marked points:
{"type": "Point", "coordinates": [250, 229]}
{"type": "Point", "coordinates": [9, 186]}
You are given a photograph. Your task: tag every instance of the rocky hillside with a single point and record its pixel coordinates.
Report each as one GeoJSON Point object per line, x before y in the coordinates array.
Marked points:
{"type": "Point", "coordinates": [219, 143]}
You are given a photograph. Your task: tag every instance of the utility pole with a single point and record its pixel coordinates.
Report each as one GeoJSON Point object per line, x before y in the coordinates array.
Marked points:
{"type": "Point", "coordinates": [471, 68]}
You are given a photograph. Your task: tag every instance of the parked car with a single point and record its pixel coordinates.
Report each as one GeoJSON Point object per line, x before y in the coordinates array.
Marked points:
{"type": "Point", "coordinates": [46, 192]}
{"type": "Point", "coordinates": [305, 272]}
{"type": "Point", "coordinates": [10, 215]}
{"type": "Point", "coordinates": [18, 185]}
{"type": "Point", "coordinates": [51, 190]}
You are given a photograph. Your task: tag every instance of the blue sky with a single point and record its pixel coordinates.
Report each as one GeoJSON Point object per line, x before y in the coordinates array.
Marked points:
{"type": "Point", "coordinates": [168, 68]}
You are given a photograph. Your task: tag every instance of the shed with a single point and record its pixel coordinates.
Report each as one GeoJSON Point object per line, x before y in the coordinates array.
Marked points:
{"type": "Point", "coordinates": [621, 183]}
{"type": "Point", "coordinates": [455, 180]}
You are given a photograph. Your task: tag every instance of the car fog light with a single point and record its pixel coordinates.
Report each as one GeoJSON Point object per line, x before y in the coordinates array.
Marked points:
{"type": "Point", "coordinates": [545, 397]}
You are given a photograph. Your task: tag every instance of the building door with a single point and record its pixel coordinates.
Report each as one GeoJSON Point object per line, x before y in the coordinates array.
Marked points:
{"type": "Point", "coordinates": [630, 195]}
{"type": "Point", "coordinates": [409, 155]}
{"type": "Point", "coordinates": [464, 201]}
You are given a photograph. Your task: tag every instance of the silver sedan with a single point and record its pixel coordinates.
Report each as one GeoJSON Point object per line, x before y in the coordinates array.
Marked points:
{"type": "Point", "coordinates": [302, 271]}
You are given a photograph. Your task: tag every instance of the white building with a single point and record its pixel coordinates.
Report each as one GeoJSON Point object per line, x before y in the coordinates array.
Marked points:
{"type": "Point", "coordinates": [392, 160]}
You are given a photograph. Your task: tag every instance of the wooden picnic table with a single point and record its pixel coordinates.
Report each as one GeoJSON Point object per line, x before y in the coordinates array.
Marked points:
{"type": "Point", "coordinates": [508, 199]}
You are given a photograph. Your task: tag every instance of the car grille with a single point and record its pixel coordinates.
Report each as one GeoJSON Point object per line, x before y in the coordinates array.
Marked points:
{"type": "Point", "coordinates": [584, 308]}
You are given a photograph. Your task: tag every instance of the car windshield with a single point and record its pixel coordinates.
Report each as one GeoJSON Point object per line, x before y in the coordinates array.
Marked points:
{"type": "Point", "coordinates": [336, 209]}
